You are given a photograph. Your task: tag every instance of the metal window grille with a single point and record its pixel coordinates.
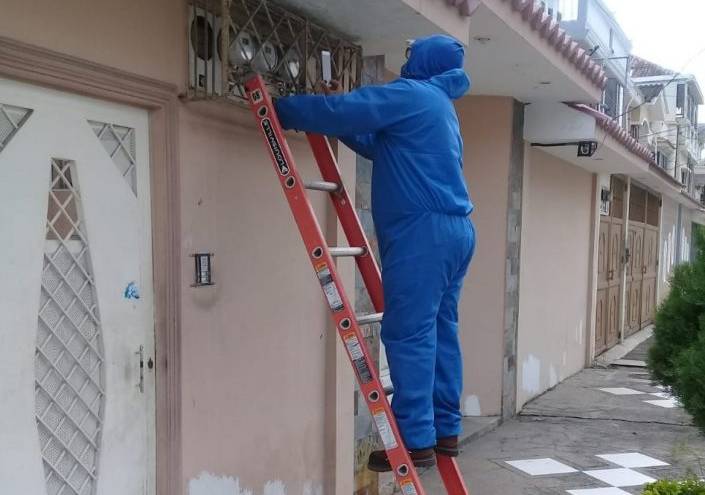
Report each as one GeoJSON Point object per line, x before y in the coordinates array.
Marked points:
{"type": "Point", "coordinates": [119, 143]}
{"type": "Point", "coordinates": [11, 119]}
{"type": "Point", "coordinates": [69, 383]}
{"type": "Point", "coordinates": [229, 39]}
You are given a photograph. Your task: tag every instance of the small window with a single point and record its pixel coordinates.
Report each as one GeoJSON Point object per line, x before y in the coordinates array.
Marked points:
{"type": "Point", "coordinates": [680, 98]}
{"type": "Point", "coordinates": [634, 131]}
{"type": "Point", "coordinates": [612, 40]}
{"type": "Point", "coordinates": [569, 10]}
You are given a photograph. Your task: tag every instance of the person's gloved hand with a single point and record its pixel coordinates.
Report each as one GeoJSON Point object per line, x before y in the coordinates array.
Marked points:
{"type": "Point", "coordinates": [332, 88]}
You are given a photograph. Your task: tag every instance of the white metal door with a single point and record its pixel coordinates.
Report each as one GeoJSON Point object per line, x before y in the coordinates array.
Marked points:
{"type": "Point", "coordinates": [76, 302]}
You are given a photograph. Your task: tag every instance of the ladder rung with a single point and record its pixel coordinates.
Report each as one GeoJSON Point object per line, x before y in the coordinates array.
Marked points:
{"type": "Point", "coordinates": [319, 185]}
{"type": "Point", "coordinates": [389, 390]}
{"type": "Point", "coordinates": [369, 319]}
{"type": "Point", "coordinates": [346, 251]}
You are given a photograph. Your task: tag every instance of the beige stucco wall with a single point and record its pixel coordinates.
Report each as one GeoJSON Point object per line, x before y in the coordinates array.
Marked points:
{"type": "Point", "coordinates": [555, 258]}
{"type": "Point", "coordinates": [667, 245]}
{"type": "Point", "coordinates": [486, 128]}
{"type": "Point", "coordinates": [254, 346]}
{"type": "Point", "coordinates": [265, 402]}
{"type": "Point", "coordinates": [669, 242]}
{"type": "Point", "coordinates": [146, 38]}
{"type": "Point", "coordinates": [686, 234]}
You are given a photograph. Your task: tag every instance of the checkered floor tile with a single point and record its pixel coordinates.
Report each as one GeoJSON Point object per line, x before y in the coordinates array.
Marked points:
{"type": "Point", "coordinates": [620, 477]}
{"type": "Point", "coordinates": [662, 395]}
{"type": "Point", "coordinates": [665, 399]}
{"type": "Point", "coordinates": [632, 460]}
{"type": "Point", "coordinates": [615, 478]}
{"type": "Point", "coordinates": [599, 491]}
{"type": "Point", "coordinates": [540, 467]}
{"type": "Point", "coordinates": [621, 391]}
{"type": "Point", "coordinates": [666, 403]}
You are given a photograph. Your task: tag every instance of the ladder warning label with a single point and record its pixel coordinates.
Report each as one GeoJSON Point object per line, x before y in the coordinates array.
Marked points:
{"type": "Point", "coordinates": [408, 488]}
{"type": "Point", "coordinates": [358, 359]}
{"type": "Point", "coordinates": [274, 145]}
{"type": "Point", "coordinates": [385, 429]}
{"type": "Point", "coordinates": [329, 289]}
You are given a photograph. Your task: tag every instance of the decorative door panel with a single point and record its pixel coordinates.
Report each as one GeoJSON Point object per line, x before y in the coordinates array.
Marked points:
{"type": "Point", "coordinates": [77, 308]}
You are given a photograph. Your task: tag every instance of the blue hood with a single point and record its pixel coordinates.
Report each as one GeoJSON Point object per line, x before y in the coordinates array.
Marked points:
{"type": "Point", "coordinates": [439, 59]}
{"type": "Point", "coordinates": [408, 127]}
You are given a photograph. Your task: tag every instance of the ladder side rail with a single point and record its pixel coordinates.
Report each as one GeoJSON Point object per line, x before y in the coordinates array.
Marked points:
{"type": "Point", "coordinates": [324, 266]}
{"type": "Point", "coordinates": [451, 475]}
{"type": "Point", "coordinates": [367, 264]}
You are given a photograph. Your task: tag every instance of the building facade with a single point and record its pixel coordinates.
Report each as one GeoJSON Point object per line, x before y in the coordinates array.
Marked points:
{"type": "Point", "coordinates": [127, 157]}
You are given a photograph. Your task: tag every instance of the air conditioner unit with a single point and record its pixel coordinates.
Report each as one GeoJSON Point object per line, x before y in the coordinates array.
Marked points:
{"type": "Point", "coordinates": [204, 63]}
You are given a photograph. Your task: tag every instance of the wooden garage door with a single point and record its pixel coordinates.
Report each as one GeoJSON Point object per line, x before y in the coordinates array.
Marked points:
{"type": "Point", "coordinates": [644, 209]}
{"type": "Point", "coordinates": [609, 267]}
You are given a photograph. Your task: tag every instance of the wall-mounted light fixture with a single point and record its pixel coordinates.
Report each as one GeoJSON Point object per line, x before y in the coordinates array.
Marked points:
{"type": "Point", "coordinates": [605, 200]}
{"type": "Point", "coordinates": [203, 269]}
{"type": "Point", "coordinates": [587, 148]}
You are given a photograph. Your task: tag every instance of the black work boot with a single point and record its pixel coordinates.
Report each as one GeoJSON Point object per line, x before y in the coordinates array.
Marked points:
{"type": "Point", "coordinates": [379, 462]}
{"type": "Point", "coordinates": [448, 446]}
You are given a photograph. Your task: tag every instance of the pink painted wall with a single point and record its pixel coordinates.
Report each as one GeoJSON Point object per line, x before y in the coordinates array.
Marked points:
{"type": "Point", "coordinates": [555, 259]}
{"type": "Point", "coordinates": [146, 38]}
{"type": "Point", "coordinates": [254, 346]}
{"type": "Point", "coordinates": [486, 127]}
{"type": "Point", "coordinates": [263, 397]}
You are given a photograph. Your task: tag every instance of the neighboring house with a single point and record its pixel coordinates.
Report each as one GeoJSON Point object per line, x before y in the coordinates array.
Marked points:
{"type": "Point", "coordinates": [127, 157]}
{"type": "Point", "coordinates": [667, 124]}
{"type": "Point", "coordinates": [673, 99]}
{"type": "Point", "coordinates": [644, 213]}
{"type": "Point", "coordinates": [699, 170]}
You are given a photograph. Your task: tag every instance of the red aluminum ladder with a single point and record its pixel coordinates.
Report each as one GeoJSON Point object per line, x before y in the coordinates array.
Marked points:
{"type": "Point", "coordinates": [321, 256]}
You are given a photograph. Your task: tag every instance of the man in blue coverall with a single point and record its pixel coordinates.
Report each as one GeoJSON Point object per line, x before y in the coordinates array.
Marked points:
{"type": "Point", "coordinates": [421, 208]}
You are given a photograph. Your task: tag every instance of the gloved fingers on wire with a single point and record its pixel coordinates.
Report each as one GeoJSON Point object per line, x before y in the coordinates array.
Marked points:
{"type": "Point", "coordinates": [331, 88]}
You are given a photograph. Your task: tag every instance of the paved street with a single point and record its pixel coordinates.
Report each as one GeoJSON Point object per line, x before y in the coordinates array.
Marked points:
{"type": "Point", "coordinates": [601, 432]}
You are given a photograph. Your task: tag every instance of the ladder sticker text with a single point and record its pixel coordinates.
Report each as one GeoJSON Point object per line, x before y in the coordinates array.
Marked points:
{"type": "Point", "coordinates": [358, 359]}
{"type": "Point", "coordinates": [408, 488]}
{"type": "Point", "coordinates": [274, 145]}
{"type": "Point", "coordinates": [329, 289]}
{"type": "Point", "coordinates": [384, 429]}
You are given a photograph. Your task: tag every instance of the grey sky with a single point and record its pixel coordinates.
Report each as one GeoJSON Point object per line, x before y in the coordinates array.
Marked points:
{"type": "Point", "coordinates": [667, 33]}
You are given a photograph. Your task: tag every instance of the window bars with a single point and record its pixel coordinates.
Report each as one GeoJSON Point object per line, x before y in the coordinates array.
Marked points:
{"type": "Point", "coordinates": [229, 39]}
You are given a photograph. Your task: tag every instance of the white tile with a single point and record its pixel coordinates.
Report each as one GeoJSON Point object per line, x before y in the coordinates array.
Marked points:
{"type": "Point", "coordinates": [632, 460]}
{"type": "Point", "coordinates": [599, 491]}
{"type": "Point", "coordinates": [662, 395]}
{"type": "Point", "coordinates": [630, 362]}
{"type": "Point", "coordinates": [621, 391]}
{"type": "Point", "coordinates": [667, 403]}
{"type": "Point", "coordinates": [538, 467]}
{"type": "Point", "coordinates": [620, 477]}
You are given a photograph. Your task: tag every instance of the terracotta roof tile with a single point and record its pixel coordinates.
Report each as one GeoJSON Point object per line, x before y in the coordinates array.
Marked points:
{"type": "Point", "coordinates": [643, 68]}
{"type": "Point", "coordinates": [534, 13]}
{"type": "Point", "coordinates": [621, 135]}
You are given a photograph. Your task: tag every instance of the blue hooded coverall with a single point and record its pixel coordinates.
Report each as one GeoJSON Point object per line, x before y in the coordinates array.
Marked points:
{"type": "Point", "coordinates": [420, 207]}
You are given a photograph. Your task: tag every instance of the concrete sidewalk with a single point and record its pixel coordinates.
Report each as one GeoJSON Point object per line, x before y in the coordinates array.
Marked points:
{"type": "Point", "coordinates": [594, 434]}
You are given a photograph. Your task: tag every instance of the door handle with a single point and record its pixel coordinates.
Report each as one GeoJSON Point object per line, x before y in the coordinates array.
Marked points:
{"type": "Point", "coordinates": [610, 274]}
{"type": "Point", "coordinates": [643, 269]}
{"type": "Point", "coordinates": [140, 353]}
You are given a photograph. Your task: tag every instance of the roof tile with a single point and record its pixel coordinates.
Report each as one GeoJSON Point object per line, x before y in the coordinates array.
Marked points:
{"type": "Point", "coordinates": [534, 13]}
